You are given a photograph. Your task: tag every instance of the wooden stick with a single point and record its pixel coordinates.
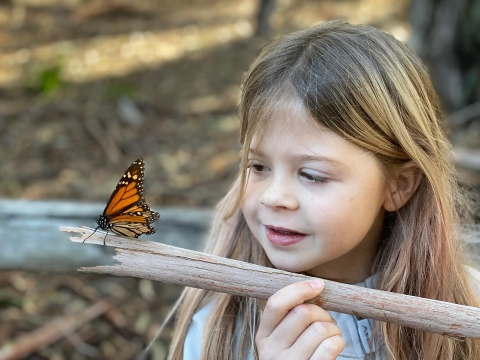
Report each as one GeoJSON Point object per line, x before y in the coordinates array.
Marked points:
{"type": "Point", "coordinates": [155, 261]}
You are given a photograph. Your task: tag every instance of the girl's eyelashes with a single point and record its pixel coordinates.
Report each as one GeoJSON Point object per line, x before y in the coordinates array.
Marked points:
{"type": "Point", "coordinates": [310, 176]}
{"type": "Point", "coordinates": [256, 166]}
{"type": "Point", "coordinates": [313, 177]}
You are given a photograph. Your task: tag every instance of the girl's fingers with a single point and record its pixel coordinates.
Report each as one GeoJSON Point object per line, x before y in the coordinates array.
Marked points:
{"type": "Point", "coordinates": [291, 329]}
{"type": "Point", "coordinates": [297, 320]}
{"type": "Point", "coordinates": [312, 338]}
{"type": "Point", "coordinates": [329, 349]}
{"type": "Point", "coordinates": [280, 303]}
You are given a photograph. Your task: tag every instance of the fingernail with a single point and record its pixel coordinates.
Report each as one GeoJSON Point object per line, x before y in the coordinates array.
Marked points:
{"type": "Point", "coordinates": [317, 284]}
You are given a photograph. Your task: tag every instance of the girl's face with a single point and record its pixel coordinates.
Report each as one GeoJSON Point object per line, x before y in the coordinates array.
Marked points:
{"type": "Point", "coordinates": [314, 200]}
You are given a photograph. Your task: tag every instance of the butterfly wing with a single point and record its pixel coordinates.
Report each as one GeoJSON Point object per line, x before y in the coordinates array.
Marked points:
{"type": "Point", "coordinates": [132, 228]}
{"type": "Point", "coordinates": [126, 212]}
{"type": "Point", "coordinates": [135, 221]}
{"type": "Point", "coordinates": [129, 190]}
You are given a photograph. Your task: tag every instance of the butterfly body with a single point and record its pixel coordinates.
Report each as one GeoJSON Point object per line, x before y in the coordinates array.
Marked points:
{"type": "Point", "coordinates": [127, 212]}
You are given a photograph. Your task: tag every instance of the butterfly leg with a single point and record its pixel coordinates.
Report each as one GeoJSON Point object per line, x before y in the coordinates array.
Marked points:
{"type": "Point", "coordinates": [105, 238]}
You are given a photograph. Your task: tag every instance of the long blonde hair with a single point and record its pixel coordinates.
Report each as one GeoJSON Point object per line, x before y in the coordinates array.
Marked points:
{"type": "Point", "coordinates": [372, 90]}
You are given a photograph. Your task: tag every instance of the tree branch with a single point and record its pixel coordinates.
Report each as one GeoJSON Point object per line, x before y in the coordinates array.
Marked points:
{"type": "Point", "coordinates": [155, 261]}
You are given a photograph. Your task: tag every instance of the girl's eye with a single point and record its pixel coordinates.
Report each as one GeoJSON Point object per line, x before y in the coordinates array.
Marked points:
{"type": "Point", "coordinates": [313, 178]}
{"type": "Point", "coordinates": [256, 167]}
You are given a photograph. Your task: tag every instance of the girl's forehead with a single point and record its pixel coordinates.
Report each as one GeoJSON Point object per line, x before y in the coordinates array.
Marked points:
{"type": "Point", "coordinates": [292, 128]}
{"type": "Point", "coordinates": [286, 117]}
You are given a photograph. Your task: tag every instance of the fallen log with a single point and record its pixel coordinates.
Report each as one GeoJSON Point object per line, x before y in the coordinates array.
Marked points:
{"type": "Point", "coordinates": [159, 262]}
{"type": "Point", "coordinates": [43, 247]}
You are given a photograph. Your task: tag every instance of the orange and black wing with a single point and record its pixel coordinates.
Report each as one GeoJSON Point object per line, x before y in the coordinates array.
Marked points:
{"type": "Point", "coordinates": [129, 191]}
{"type": "Point", "coordinates": [126, 212]}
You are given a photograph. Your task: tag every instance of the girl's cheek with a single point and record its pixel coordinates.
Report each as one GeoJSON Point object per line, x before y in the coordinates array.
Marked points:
{"type": "Point", "coordinates": [245, 202]}
{"type": "Point", "coordinates": [249, 203]}
{"type": "Point", "coordinates": [249, 193]}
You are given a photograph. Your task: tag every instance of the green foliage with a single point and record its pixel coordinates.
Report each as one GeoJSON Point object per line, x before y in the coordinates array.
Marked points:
{"type": "Point", "coordinates": [49, 80]}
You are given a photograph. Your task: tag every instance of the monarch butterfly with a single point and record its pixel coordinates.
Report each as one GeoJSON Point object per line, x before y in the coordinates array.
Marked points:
{"type": "Point", "coordinates": [126, 212]}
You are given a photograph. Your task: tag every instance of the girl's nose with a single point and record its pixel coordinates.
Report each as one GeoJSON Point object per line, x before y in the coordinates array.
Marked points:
{"type": "Point", "coordinates": [279, 194]}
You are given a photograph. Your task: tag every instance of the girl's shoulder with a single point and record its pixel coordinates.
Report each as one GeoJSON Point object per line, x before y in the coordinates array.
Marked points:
{"type": "Point", "coordinates": [193, 341]}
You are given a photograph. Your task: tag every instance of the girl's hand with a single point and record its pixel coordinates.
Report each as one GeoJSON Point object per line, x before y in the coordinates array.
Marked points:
{"type": "Point", "coordinates": [290, 329]}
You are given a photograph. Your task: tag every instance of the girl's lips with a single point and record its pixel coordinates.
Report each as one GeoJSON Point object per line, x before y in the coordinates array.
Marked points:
{"type": "Point", "coordinates": [283, 237]}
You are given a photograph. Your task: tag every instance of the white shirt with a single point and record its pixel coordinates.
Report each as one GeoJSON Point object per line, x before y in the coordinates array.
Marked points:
{"type": "Point", "coordinates": [355, 331]}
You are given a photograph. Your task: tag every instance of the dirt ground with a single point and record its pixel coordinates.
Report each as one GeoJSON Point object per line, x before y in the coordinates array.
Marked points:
{"type": "Point", "coordinates": [86, 87]}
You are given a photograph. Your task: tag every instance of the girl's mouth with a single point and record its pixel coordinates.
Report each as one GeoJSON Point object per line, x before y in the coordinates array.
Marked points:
{"type": "Point", "coordinates": [282, 236]}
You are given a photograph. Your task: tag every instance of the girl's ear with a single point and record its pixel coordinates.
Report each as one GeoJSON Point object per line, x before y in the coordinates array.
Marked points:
{"type": "Point", "coordinates": [405, 181]}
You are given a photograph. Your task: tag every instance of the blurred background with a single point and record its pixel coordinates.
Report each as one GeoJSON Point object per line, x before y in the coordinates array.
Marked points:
{"type": "Point", "coordinates": [88, 86]}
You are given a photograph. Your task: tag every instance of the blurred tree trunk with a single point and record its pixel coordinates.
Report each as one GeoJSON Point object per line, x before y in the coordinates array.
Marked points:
{"type": "Point", "coordinates": [265, 10]}
{"type": "Point", "coordinates": [446, 35]}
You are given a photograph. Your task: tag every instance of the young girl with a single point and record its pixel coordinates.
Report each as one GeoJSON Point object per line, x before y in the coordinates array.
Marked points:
{"type": "Point", "coordinates": [345, 175]}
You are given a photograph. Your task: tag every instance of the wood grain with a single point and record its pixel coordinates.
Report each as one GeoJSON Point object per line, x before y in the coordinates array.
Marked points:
{"type": "Point", "coordinates": [154, 261]}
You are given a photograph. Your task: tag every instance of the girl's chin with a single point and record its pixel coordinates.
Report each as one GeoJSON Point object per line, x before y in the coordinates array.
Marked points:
{"type": "Point", "coordinates": [288, 266]}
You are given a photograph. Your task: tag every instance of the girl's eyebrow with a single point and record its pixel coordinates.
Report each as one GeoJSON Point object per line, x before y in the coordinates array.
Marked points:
{"type": "Point", "coordinates": [318, 158]}
{"type": "Point", "coordinates": [305, 158]}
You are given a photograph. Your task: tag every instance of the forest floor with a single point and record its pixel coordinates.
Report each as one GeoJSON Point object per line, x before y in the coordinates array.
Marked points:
{"type": "Point", "coordinates": [86, 87]}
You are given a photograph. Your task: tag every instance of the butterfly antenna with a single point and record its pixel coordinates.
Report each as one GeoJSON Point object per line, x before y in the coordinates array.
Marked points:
{"type": "Point", "coordinates": [144, 353]}
{"type": "Point", "coordinates": [90, 234]}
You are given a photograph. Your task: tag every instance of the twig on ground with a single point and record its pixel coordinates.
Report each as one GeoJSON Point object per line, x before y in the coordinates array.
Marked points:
{"type": "Point", "coordinates": [464, 115]}
{"type": "Point", "coordinates": [469, 158]}
{"type": "Point", "coordinates": [55, 330]}
{"type": "Point", "coordinates": [113, 315]}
